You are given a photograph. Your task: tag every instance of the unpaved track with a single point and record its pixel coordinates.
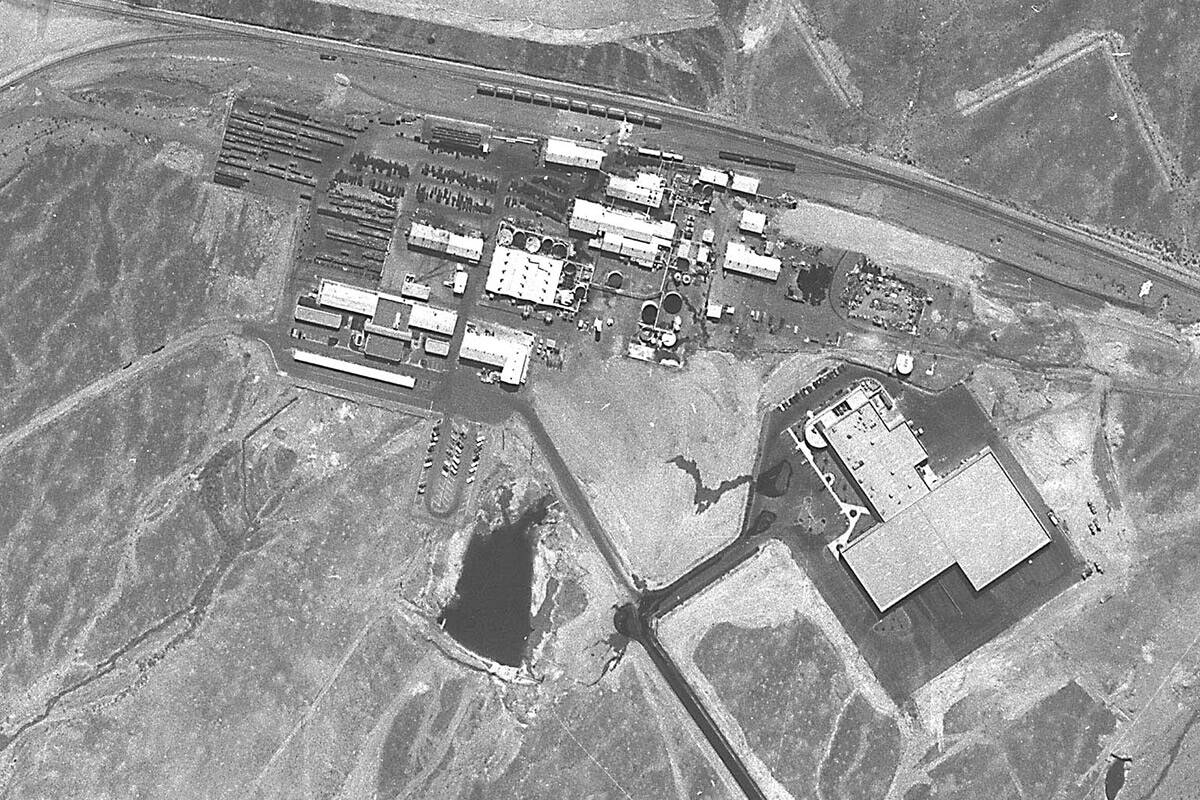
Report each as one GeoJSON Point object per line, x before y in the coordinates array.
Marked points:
{"type": "Point", "coordinates": [122, 378]}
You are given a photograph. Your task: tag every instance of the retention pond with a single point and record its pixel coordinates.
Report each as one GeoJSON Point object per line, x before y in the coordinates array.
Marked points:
{"type": "Point", "coordinates": [490, 612]}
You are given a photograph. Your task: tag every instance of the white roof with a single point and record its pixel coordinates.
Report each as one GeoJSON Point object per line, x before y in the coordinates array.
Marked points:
{"type": "Point", "coordinates": [525, 276]}
{"type": "Point", "coordinates": [509, 353]}
{"type": "Point", "coordinates": [345, 297]}
{"type": "Point", "coordinates": [745, 184]}
{"type": "Point", "coordinates": [641, 252]}
{"type": "Point", "coordinates": [646, 189]}
{"type": "Point", "coordinates": [432, 319]}
{"type": "Point", "coordinates": [593, 218]}
{"type": "Point", "coordinates": [714, 311]}
{"type": "Point", "coordinates": [975, 518]}
{"type": "Point", "coordinates": [351, 368]}
{"type": "Point", "coordinates": [445, 241]}
{"type": "Point", "coordinates": [716, 177]}
{"type": "Point", "coordinates": [753, 221]}
{"type": "Point", "coordinates": [739, 258]}
{"type": "Point", "coordinates": [572, 153]}
{"type": "Point", "coordinates": [437, 347]}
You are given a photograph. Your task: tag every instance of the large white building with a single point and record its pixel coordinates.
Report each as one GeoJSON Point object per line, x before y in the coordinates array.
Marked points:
{"type": "Point", "coordinates": [639, 252]}
{"type": "Point", "coordinates": [753, 222]}
{"type": "Point", "coordinates": [570, 153]}
{"type": "Point", "coordinates": [647, 189]}
{"type": "Point", "coordinates": [504, 349]}
{"type": "Point", "coordinates": [440, 240]}
{"type": "Point", "coordinates": [527, 277]}
{"type": "Point", "coordinates": [350, 368]}
{"type": "Point", "coordinates": [740, 258]}
{"type": "Point", "coordinates": [745, 184]}
{"type": "Point", "coordinates": [345, 297]}
{"type": "Point", "coordinates": [594, 219]}
{"type": "Point", "coordinates": [714, 177]}
{"type": "Point", "coordinates": [432, 319]}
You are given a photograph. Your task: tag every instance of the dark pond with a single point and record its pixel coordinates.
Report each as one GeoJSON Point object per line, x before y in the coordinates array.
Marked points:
{"type": "Point", "coordinates": [490, 610]}
{"type": "Point", "coordinates": [1114, 779]}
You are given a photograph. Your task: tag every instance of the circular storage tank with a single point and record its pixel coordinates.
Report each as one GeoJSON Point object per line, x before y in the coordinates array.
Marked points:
{"type": "Point", "coordinates": [533, 243]}
{"type": "Point", "coordinates": [668, 339]}
{"type": "Point", "coordinates": [614, 279]}
{"type": "Point", "coordinates": [518, 240]}
{"type": "Point", "coordinates": [547, 247]}
{"type": "Point", "coordinates": [649, 312]}
{"type": "Point", "coordinates": [672, 302]}
{"type": "Point", "coordinates": [559, 250]}
{"type": "Point", "coordinates": [505, 237]}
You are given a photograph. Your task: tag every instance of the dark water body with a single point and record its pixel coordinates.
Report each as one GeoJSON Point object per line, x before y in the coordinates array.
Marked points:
{"type": "Point", "coordinates": [705, 496]}
{"type": "Point", "coordinates": [1114, 779]}
{"type": "Point", "coordinates": [490, 611]}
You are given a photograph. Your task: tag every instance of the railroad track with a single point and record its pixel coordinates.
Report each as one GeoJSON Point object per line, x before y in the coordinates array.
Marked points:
{"type": "Point", "coordinates": [1093, 249]}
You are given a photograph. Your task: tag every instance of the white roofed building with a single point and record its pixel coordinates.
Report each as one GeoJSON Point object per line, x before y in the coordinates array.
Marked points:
{"type": "Point", "coordinates": [740, 258]}
{"type": "Point", "coordinates": [441, 240]}
{"type": "Point", "coordinates": [432, 319]}
{"type": "Point", "coordinates": [647, 189]}
{"type": "Point", "coordinates": [345, 297]}
{"type": "Point", "coordinates": [752, 222]}
{"type": "Point", "coordinates": [527, 277]}
{"type": "Point", "coordinates": [594, 219]}
{"type": "Point", "coordinates": [506, 350]}
{"type": "Point", "coordinates": [569, 153]}
{"type": "Point", "coordinates": [714, 177]}
{"type": "Point", "coordinates": [744, 184]}
{"type": "Point", "coordinates": [638, 252]}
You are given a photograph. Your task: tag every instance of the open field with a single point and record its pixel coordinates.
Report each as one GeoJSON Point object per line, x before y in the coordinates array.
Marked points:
{"type": "Point", "coordinates": [757, 646]}
{"type": "Point", "coordinates": [558, 23]}
{"type": "Point", "coordinates": [620, 424]}
{"type": "Point", "coordinates": [120, 255]}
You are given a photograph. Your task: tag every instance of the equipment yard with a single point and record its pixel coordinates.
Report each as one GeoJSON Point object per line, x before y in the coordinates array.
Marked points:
{"type": "Point", "coordinates": [431, 400]}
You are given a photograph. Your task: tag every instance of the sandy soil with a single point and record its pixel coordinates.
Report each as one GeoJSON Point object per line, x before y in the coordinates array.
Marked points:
{"type": "Point", "coordinates": [30, 37]}
{"type": "Point", "coordinates": [885, 243]}
{"type": "Point", "coordinates": [620, 422]}
{"type": "Point", "coordinates": [573, 22]}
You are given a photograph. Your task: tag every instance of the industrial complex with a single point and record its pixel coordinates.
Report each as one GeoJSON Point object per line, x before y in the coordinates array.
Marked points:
{"type": "Point", "coordinates": [973, 518]}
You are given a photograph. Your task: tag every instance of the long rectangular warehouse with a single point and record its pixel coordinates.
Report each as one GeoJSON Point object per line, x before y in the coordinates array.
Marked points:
{"type": "Point", "coordinates": [441, 240]}
{"type": "Point", "coordinates": [647, 189]}
{"type": "Point", "coordinates": [740, 258]}
{"type": "Point", "coordinates": [593, 219]}
{"type": "Point", "coordinates": [345, 297]}
{"type": "Point", "coordinates": [317, 316]}
{"type": "Point", "coordinates": [570, 153]}
{"type": "Point", "coordinates": [350, 368]}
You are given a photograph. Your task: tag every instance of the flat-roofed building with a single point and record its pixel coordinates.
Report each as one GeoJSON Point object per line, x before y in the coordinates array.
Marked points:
{"type": "Point", "coordinates": [594, 219]}
{"type": "Point", "coordinates": [432, 319]}
{"type": "Point", "coordinates": [345, 297]}
{"type": "Point", "coordinates": [350, 368]}
{"type": "Point", "coordinates": [975, 518]}
{"type": "Point", "coordinates": [468, 247]}
{"type": "Point", "coordinates": [437, 347]}
{"type": "Point", "coordinates": [740, 258]}
{"type": "Point", "coordinates": [643, 253]}
{"type": "Point", "coordinates": [412, 289]}
{"type": "Point", "coordinates": [714, 177]}
{"type": "Point", "coordinates": [317, 316]}
{"type": "Point", "coordinates": [878, 449]}
{"type": "Point", "coordinates": [745, 184]}
{"type": "Point", "coordinates": [752, 222]}
{"type": "Point", "coordinates": [528, 277]}
{"type": "Point", "coordinates": [504, 349]}
{"type": "Point", "coordinates": [569, 153]}
{"type": "Point", "coordinates": [391, 318]}
{"type": "Point", "coordinates": [385, 348]}
{"type": "Point", "coordinates": [647, 189]}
